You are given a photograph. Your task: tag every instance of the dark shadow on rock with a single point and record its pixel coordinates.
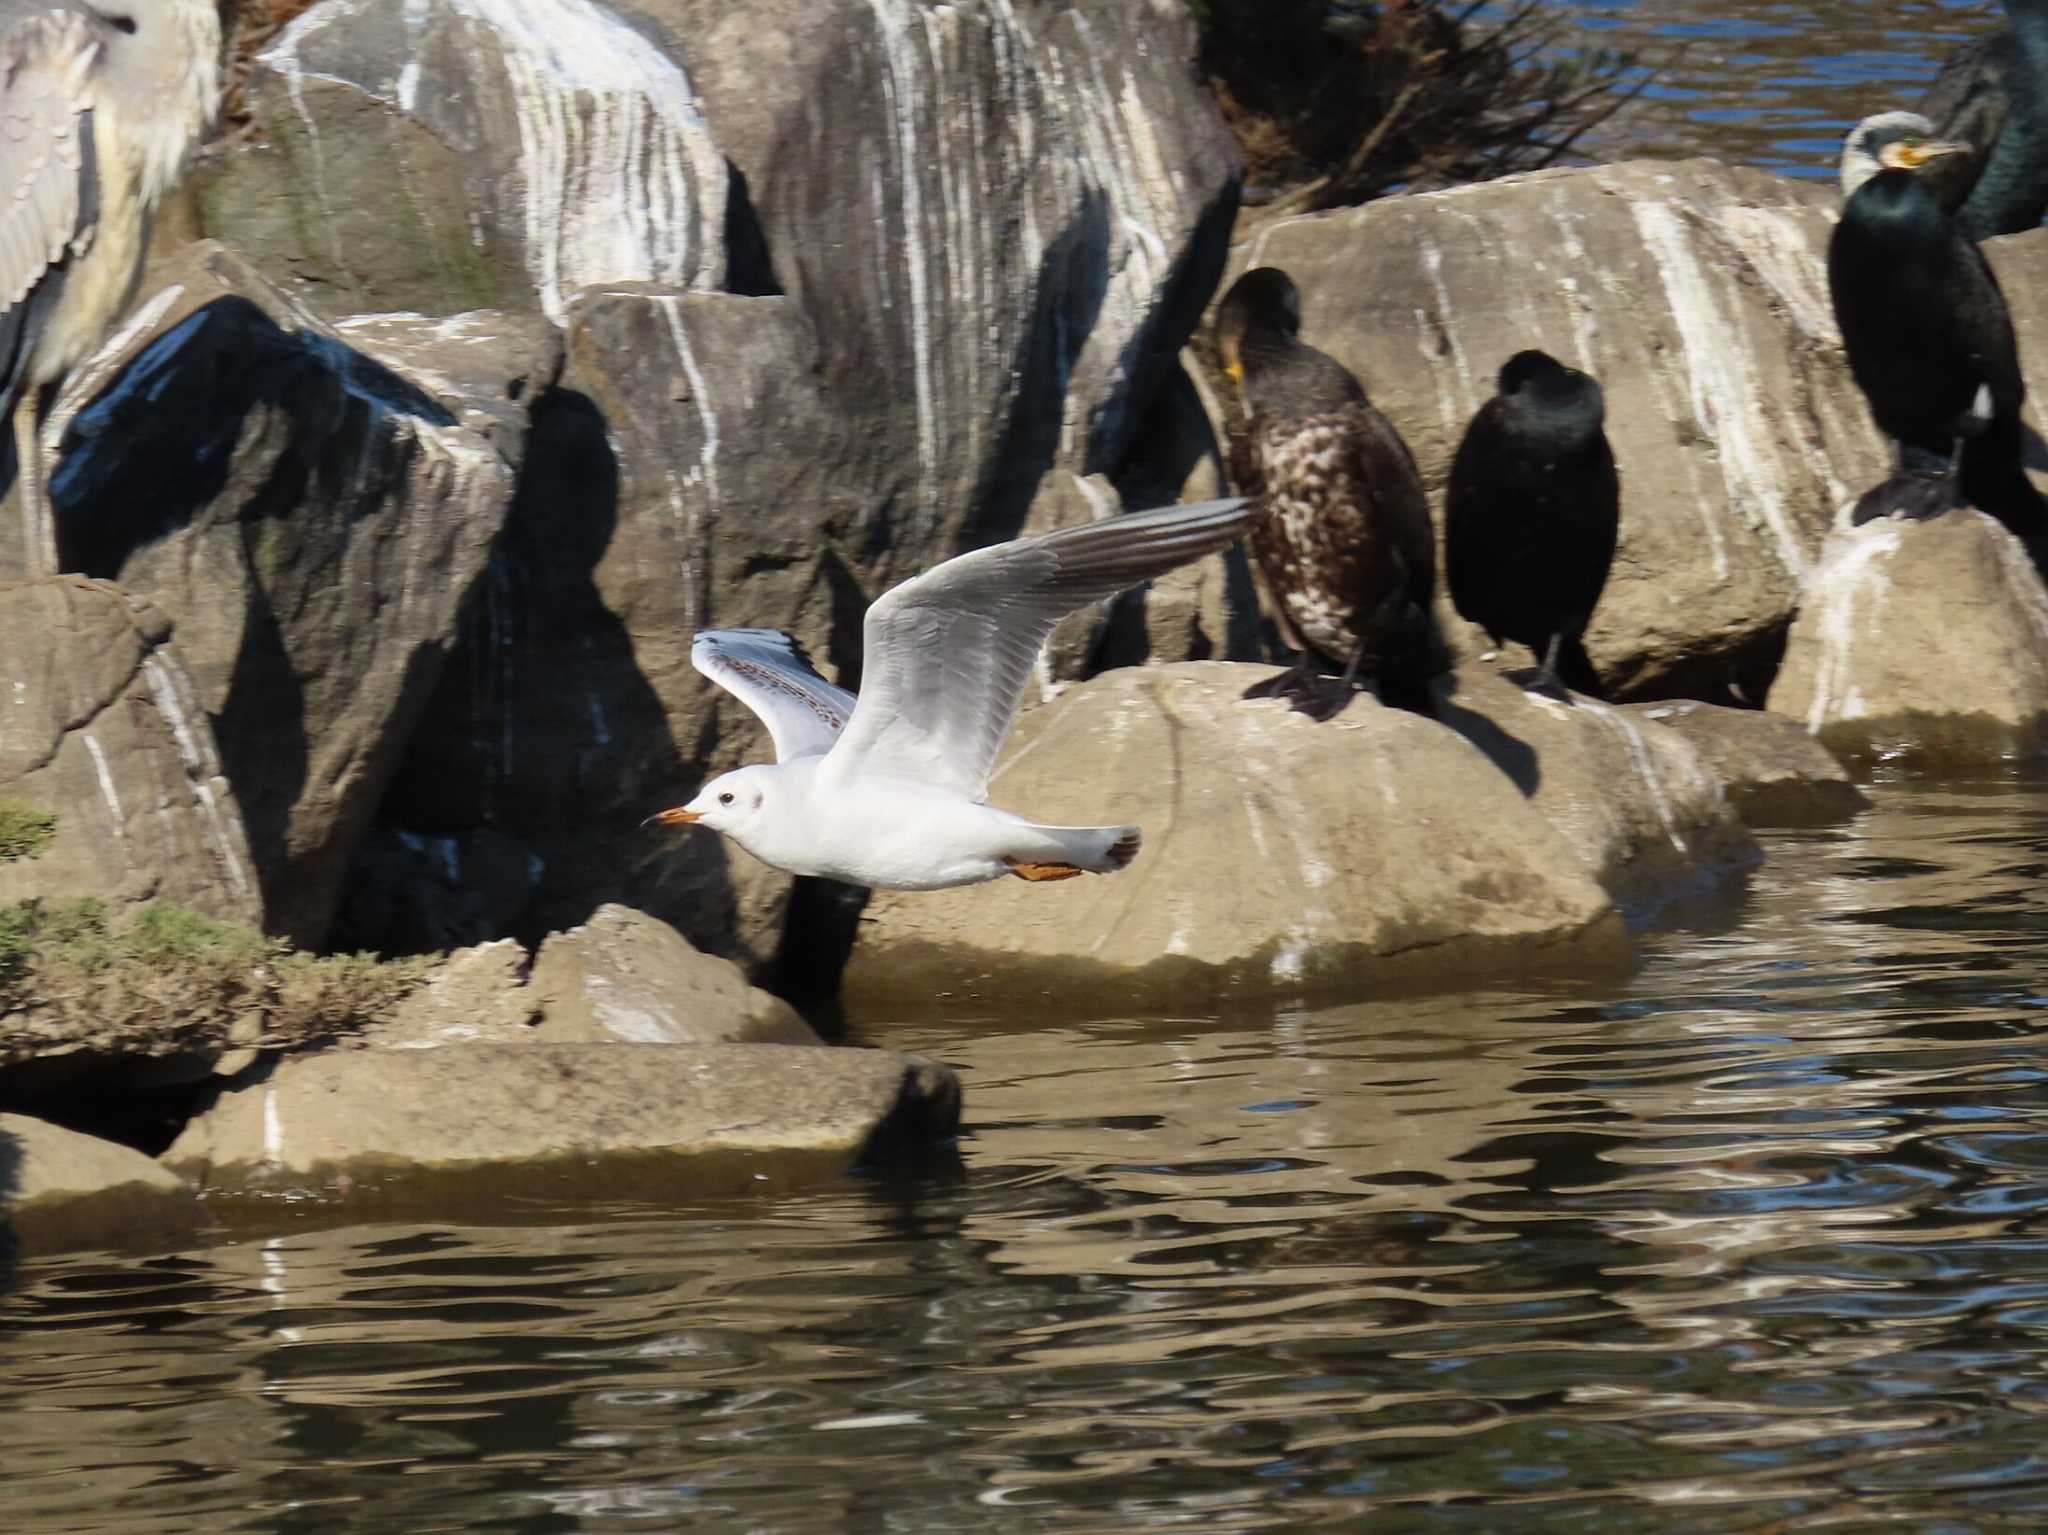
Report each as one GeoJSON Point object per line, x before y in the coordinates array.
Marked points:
{"type": "Point", "coordinates": [1152, 357]}
{"type": "Point", "coordinates": [1736, 674]}
{"type": "Point", "coordinates": [160, 444]}
{"type": "Point", "coordinates": [409, 893]}
{"type": "Point", "coordinates": [544, 728]}
{"type": "Point", "coordinates": [749, 264]}
{"type": "Point", "coordinates": [819, 928]}
{"type": "Point", "coordinates": [10, 1187]}
{"type": "Point", "coordinates": [262, 741]}
{"type": "Point", "coordinates": [1073, 280]}
{"type": "Point", "coordinates": [1506, 751]}
{"type": "Point", "coordinates": [1123, 638]}
{"type": "Point", "coordinates": [846, 646]}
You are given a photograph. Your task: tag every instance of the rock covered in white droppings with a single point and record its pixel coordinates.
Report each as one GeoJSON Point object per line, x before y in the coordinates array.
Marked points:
{"type": "Point", "coordinates": [1697, 294]}
{"type": "Point", "coordinates": [550, 132]}
{"type": "Point", "coordinates": [1922, 641]}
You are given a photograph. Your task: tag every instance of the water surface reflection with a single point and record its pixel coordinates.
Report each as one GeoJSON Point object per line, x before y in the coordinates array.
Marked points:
{"type": "Point", "coordinates": [1753, 1246]}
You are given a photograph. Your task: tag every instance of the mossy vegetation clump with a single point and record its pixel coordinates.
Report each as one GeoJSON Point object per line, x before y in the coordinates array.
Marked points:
{"type": "Point", "coordinates": [25, 829]}
{"type": "Point", "coordinates": [169, 978]}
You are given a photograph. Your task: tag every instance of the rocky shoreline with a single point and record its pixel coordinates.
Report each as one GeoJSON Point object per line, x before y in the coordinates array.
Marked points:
{"type": "Point", "coordinates": [456, 406]}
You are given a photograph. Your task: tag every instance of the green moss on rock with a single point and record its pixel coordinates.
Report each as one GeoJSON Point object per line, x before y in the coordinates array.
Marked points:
{"type": "Point", "coordinates": [170, 977]}
{"type": "Point", "coordinates": [25, 829]}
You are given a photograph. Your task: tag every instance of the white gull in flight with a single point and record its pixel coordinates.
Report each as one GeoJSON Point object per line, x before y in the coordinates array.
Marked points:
{"type": "Point", "coordinates": [889, 789]}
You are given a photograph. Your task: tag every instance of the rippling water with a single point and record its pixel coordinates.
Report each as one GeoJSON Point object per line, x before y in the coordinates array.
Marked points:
{"type": "Point", "coordinates": [1753, 1242]}
{"type": "Point", "coordinates": [1771, 82]}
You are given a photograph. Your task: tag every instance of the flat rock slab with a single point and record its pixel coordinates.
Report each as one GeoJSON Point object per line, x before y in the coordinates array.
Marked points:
{"type": "Point", "coordinates": [1921, 643]}
{"type": "Point", "coordinates": [472, 1125]}
{"type": "Point", "coordinates": [1775, 773]}
{"type": "Point", "coordinates": [1283, 858]}
{"type": "Point", "coordinates": [63, 1190]}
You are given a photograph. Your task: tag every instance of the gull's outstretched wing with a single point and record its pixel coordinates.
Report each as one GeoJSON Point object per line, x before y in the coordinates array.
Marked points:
{"type": "Point", "coordinates": [768, 672]}
{"type": "Point", "coordinates": [947, 653]}
{"type": "Point", "coordinates": [49, 187]}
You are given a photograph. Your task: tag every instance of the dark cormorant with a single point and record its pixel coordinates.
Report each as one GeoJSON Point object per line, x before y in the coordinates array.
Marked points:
{"type": "Point", "coordinates": [1340, 536]}
{"type": "Point", "coordinates": [1992, 95]}
{"type": "Point", "coordinates": [1531, 513]}
{"type": "Point", "coordinates": [1926, 328]}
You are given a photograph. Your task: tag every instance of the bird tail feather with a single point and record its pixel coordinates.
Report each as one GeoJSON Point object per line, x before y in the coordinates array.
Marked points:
{"type": "Point", "coordinates": [1094, 849]}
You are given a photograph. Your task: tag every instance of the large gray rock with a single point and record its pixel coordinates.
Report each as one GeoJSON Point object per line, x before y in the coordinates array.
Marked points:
{"type": "Point", "coordinates": [1697, 294]}
{"type": "Point", "coordinates": [1922, 642]}
{"type": "Point", "coordinates": [1002, 218]}
{"type": "Point", "coordinates": [1283, 859]}
{"type": "Point", "coordinates": [994, 226]}
{"type": "Point", "coordinates": [449, 155]}
{"type": "Point", "coordinates": [60, 1189]}
{"type": "Point", "coordinates": [470, 1124]}
{"type": "Point", "coordinates": [314, 523]}
{"type": "Point", "coordinates": [103, 726]}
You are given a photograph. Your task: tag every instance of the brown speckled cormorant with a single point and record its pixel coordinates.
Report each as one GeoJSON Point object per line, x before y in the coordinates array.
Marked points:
{"type": "Point", "coordinates": [1340, 536]}
{"type": "Point", "coordinates": [1531, 513]}
{"type": "Point", "coordinates": [1929, 338]}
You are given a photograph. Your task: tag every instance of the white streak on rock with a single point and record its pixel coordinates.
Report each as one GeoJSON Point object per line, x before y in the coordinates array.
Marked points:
{"type": "Point", "coordinates": [1433, 266]}
{"type": "Point", "coordinates": [1643, 761]}
{"type": "Point", "coordinates": [1774, 244]}
{"type": "Point", "coordinates": [623, 181]}
{"type": "Point", "coordinates": [1851, 566]}
{"type": "Point", "coordinates": [173, 701]}
{"type": "Point", "coordinates": [1723, 390]}
{"type": "Point", "coordinates": [99, 766]}
{"type": "Point", "coordinates": [901, 71]}
{"type": "Point", "coordinates": [273, 1129]}
{"type": "Point", "coordinates": [700, 395]}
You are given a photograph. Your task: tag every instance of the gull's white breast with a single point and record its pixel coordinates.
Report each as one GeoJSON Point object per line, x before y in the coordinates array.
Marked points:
{"type": "Point", "coordinates": [879, 830]}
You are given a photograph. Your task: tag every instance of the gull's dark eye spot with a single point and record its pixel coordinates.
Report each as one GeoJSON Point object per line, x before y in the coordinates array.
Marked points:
{"type": "Point", "coordinates": [725, 798]}
{"type": "Point", "coordinates": [119, 22]}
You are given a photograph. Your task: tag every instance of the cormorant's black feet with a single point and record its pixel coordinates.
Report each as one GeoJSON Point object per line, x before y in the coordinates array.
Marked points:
{"type": "Point", "coordinates": [1918, 495]}
{"type": "Point", "coordinates": [1540, 679]}
{"type": "Point", "coordinates": [1324, 698]}
{"type": "Point", "coordinates": [1280, 685]}
{"type": "Point", "coordinates": [1315, 693]}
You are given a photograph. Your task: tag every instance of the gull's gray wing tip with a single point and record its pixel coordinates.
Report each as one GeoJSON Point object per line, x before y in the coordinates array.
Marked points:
{"type": "Point", "coordinates": [709, 643]}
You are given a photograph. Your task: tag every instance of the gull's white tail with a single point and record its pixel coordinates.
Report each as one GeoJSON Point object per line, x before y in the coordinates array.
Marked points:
{"type": "Point", "coordinates": [1060, 852]}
